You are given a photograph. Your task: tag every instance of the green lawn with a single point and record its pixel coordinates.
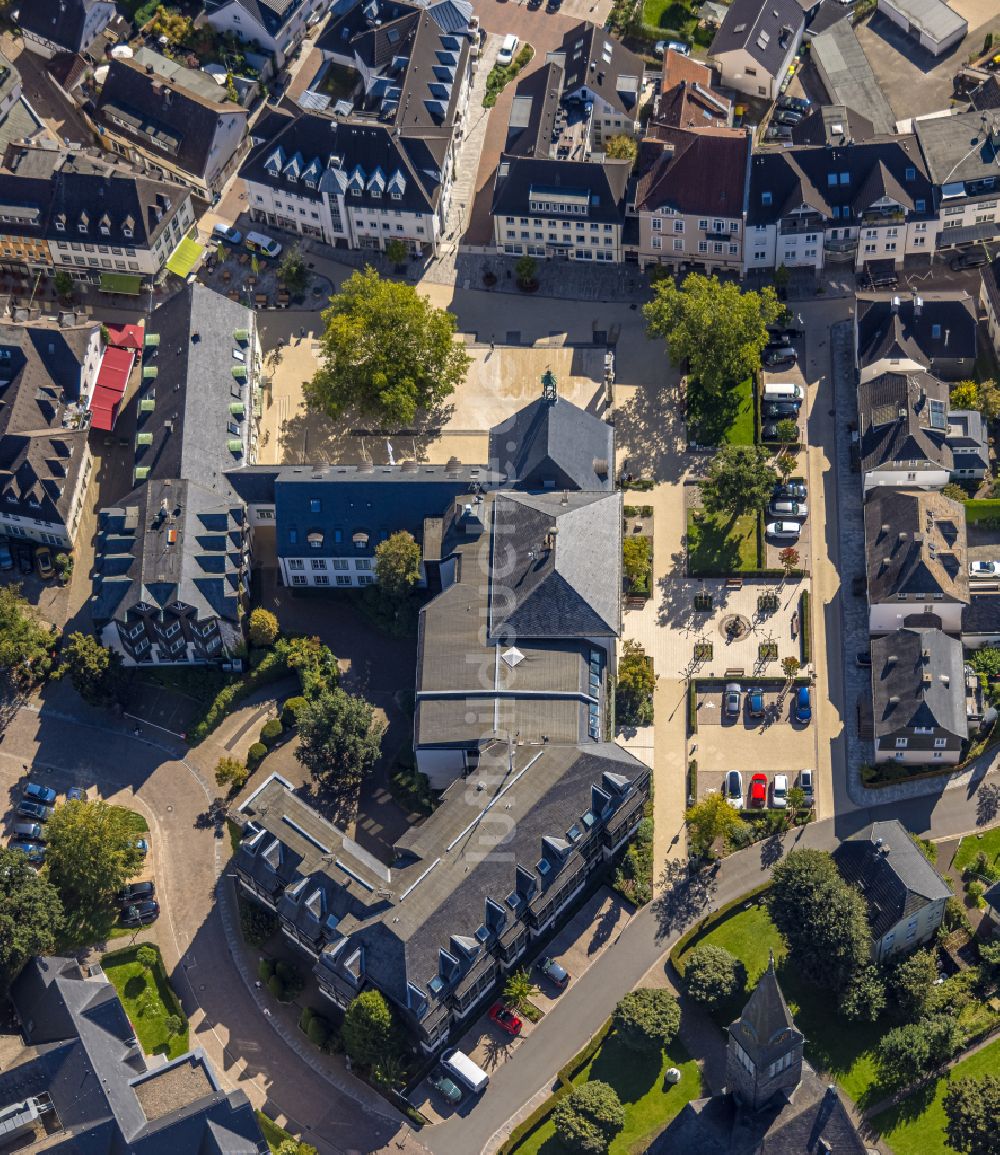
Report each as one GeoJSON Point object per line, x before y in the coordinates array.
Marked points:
{"type": "Point", "coordinates": [970, 846]}
{"type": "Point", "coordinates": [712, 424]}
{"type": "Point", "coordinates": [916, 1126]}
{"type": "Point", "coordinates": [668, 17]}
{"type": "Point", "coordinates": [148, 1000]}
{"type": "Point", "coordinates": [718, 546]}
{"type": "Point", "coordinates": [650, 1102]}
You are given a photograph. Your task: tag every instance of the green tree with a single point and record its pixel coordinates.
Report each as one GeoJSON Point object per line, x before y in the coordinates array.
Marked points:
{"type": "Point", "coordinates": [397, 565]}
{"type": "Point", "coordinates": [97, 673]}
{"type": "Point", "coordinates": [31, 915]}
{"type": "Point", "coordinates": [262, 627]}
{"type": "Point", "coordinates": [902, 1054]}
{"type": "Point", "coordinates": [294, 1147]}
{"type": "Point", "coordinates": [25, 645]}
{"type": "Point", "coordinates": [230, 772]}
{"type": "Point", "coordinates": [972, 1113]}
{"type": "Point", "coordinates": [713, 326]}
{"type": "Point", "coordinates": [91, 855]}
{"type": "Point", "coordinates": [787, 431]}
{"type": "Point", "coordinates": [790, 666]}
{"type": "Point", "coordinates": [315, 664]}
{"type": "Point", "coordinates": [293, 271]}
{"type": "Point", "coordinates": [147, 957]}
{"type": "Point", "coordinates": [621, 147]}
{"type": "Point", "coordinates": [646, 1020]}
{"type": "Point", "coordinates": [526, 270]}
{"type": "Point", "coordinates": [589, 1117]}
{"type": "Point", "coordinates": [636, 562]}
{"type": "Point", "coordinates": [518, 990]}
{"type": "Point", "coordinates": [712, 975]}
{"type": "Point", "coordinates": [63, 283]}
{"type": "Point", "coordinates": [174, 1025]}
{"type": "Point", "coordinates": [820, 917]}
{"type": "Point", "coordinates": [911, 983]}
{"type": "Point", "coordinates": [170, 23]}
{"type": "Point", "coordinates": [387, 353]}
{"type": "Point", "coordinates": [635, 686]}
{"type": "Point", "coordinates": [369, 1032]}
{"type": "Point", "coordinates": [740, 478]}
{"type": "Point", "coordinates": [796, 798]}
{"type": "Point", "coordinates": [965, 395]}
{"type": "Point", "coordinates": [397, 250]}
{"type": "Point", "coordinates": [989, 400]}
{"type": "Point", "coordinates": [339, 738]}
{"type": "Point", "coordinates": [864, 999]}
{"type": "Point", "coordinates": [709, 820]}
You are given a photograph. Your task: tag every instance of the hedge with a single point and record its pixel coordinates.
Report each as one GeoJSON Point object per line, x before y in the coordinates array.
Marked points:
{"type": "Point", "coordinates": [984, 511]}
{"type": "Point", "coordinates": [681, 945]}
{"type": "Point", "coordinates": [693, 779]}
{"type": "Point", "coordinates": [692, 708]}
{"type": "Point", "coordinates": [805, 628]}
{"type": "Point", "coordinates": [272, 667]}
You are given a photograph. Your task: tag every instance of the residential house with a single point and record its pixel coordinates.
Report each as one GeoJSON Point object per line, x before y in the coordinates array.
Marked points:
{"type": "Point", "coordinates": [812, 205]}
{"type": "Point", "coordinates": [691, 105]}
{"type": "Point", "coordinates": [904, 894]}
{"type": "Point", "coordinates": [171, 571]}
{"type": "Point", "coordinates": [46, 377]}
{"type": "Point", "coordinates": [275, 28]}
{"type": "Point", "coordinates": [691, 198]}
{"type": "Point", "coordinates": [773, 1100]}
{"type": "Point", "coordinates": [82, 1083]}
{"type": "Point", "coordinates": [936, 331]}
{"type": "Point", "coordinates": [601, 76]}
{"type": "Point", "coordinates": [834, 125]}
{"type": "Point", "coordinates": [989, 299]}
{"type": "Point", "coordinates": [918, 693]}
{"type": "Point", "coordinates": [173, 122]}
{"type": "Point", "coordinates": [755, 45]}
{"type": "Point", "coordinates": [915, 544]}
{"type": "Point", "coordinates": [935, 25]}
{"type": "Point", "coordinates": [72, 212]}
{"type": "Point", "coordinates": [51, 27]}
{"type": "Point", "coordinates": [962, 153]}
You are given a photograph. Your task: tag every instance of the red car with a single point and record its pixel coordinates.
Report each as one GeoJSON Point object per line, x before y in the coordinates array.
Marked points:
{"type": "Point", "coordinates": [758, 790]}
{"type": "Point", "coordinates": [505, 1019]}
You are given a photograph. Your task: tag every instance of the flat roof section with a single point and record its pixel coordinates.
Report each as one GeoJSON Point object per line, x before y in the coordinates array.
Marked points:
{"type": "Point", "coordinates": [848, 77]}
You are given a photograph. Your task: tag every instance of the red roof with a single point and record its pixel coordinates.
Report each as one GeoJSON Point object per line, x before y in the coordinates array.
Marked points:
{"type": "Point", "coordinates": [104, 407]}
{"type": "Point", "coordinates": [115, 368]}
{"type": "Point", "coordinates": [125, 336]}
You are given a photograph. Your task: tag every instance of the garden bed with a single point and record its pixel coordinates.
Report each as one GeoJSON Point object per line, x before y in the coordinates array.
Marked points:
{"type": "Point", "coordinates": [149, 1001]}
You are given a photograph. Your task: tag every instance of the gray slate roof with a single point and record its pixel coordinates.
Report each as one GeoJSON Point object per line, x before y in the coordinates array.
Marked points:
{"type": "Point", "coordinates": [765, 1028]}
{"type": "Point", "coordinates": [918, 683]}
{"type": "Point", "coordinates": [961, 149]}
{"type": "Point", "coordinates": [913, 440]}
{"type": "Point", "coordinates": [832, 124]}
{"type": "Point", "coordinates": [61, 21]}
{"type": "Point", "coordinates": [895, 878]}
{"type": "Point", "coordinates": [604, 183]}
{"type": "Point", "coordinates": [594, 59]}
{"type": "Point", "coordinates": [765, 30]}
{"type": "Point", "coordinates": [922, 552]}
{"type": "Point", "coordinates": [555, 444]}
{"type": "Point", "coordinates": [924, 327]}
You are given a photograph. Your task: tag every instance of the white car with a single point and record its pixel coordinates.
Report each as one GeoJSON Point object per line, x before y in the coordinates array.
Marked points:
{"type": "Point", "coordinates": [507, 50]}
{"type": "Point", "coordinates": [783, 508]}
{"type": "Point", "coordinates": [733, 789]}
{"type": "Point", "coordinates": [662, 46]}
{"type": "Point", "coordinates": [984, 569]}
{"type": "Point", "coordinates": [779, 792]}
{"type": "Point", "coordinates": [783, 529]}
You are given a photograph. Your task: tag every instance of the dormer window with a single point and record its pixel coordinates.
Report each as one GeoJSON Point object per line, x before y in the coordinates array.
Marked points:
{"type": "Point", "coordinates": [61, 223]}
{"type": "Point", "coordinates": [376, 193]}
{"type": "Point", "coordinates": [396, 196]}
{"type": "Point", "coordinates": [355, 192]}
{"type": "Point", "coordinates": [126, 231]}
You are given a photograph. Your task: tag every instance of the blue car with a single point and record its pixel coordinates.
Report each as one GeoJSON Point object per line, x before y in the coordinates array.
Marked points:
{"type": "Point", "coordinates": [755, 702]}
{"type": "Point", "coordinates": [35, 851]}
{"type": "Point", "coordinates": [75, 794]}
{"type": "Point", "coordinates": [803, 705]}
{"type": "Point", "coordinates": [38, 793]}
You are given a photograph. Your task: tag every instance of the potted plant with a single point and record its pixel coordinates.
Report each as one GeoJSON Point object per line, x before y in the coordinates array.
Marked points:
{"type": "Point", "coordinates": [526, 271]}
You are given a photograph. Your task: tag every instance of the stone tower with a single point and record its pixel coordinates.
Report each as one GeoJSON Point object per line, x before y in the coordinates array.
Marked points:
{"type": "Point", "coordinates": [764, 1053]}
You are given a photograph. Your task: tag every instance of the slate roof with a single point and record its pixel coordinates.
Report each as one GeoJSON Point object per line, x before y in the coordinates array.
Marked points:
{"type": "Point", "coordinates": [604, 183]}
{"type": "Point", "coordinates": [897, 881]}
{"type": "Point", "coordinates": [595, 59]}
{"type": "Point", "coordinates": [533, 112]}
{"type": "Point", "coordinates": [991, 285]}
{"type": "Point", "coordinates": [987, 95]}
{"type": "Point", "coordinates": [61, 21]}
{"type": "Point", "coordinates": [372, 32]}
{"type": "Point", "coordinates": [272, 15]}
{"type": "Point", "coordinates": [83, 1052]}
{"type": "Point", "coordinates": [918, 683]}
{"type": "Point", "coordinates": [555, 444]}
{"type": "Point", "coordinates": [765, 1028]}
{"type": "Point", "coordinates": [919, 439]}
{"type": "Point", "coordinates": [164, 115]}
{"type": "Point", "coordinates": [923, 327]}
{"type": "Point", "coordinates": [696, 172]}
{"type": "Point", "coordinates": [922, 553]}
{"type": "Point", "coordinates": [765, 31]}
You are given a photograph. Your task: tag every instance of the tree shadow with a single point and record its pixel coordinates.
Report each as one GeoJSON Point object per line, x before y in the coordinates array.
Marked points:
{"type": "Point", "coordinates": [772, 850]}
{"type": "Point", "coordinates": [602, 931]}
{"type": "Point", "coordinates": [684, 897]}
{"type": "Point", "coordinates": [987, 803]}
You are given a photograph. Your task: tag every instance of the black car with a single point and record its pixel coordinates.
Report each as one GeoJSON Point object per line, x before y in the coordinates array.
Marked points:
{"type": "Point", "coordinates": [779, 358]}
{"type": "Point", "coordinates": [778, 341]}
{"type": "Point", "coordinates": [785, 332]}
{"type": "Point", "coordinates": [136, 892]}
{"type": "Point", "coordinates": [778, 410]}
{"type": "Point", "coordinates": [553, 6]}
{"type": "Point", "coordinates": [25, 559]}
{"type": "Point", "coordinates": [795, 104]}
{"type": "Point", "coordinates": [779, 132]}
{"type": "Point", "coordinates": [790, 491]}
{"type": "Point", "coordinates": [787, 118]}
{"type": "Point", "coordinates": [140, 913]}
{"type": "Point", "coordinates": [769, 432]}
{"type": "Point", "coordinates": [973, 259]}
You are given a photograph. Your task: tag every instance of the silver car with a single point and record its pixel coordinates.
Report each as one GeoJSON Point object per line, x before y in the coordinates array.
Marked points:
{"type": "Point", "coordinates": [781, 509]}
{"type": "Point", "coordinates": [731, 700]}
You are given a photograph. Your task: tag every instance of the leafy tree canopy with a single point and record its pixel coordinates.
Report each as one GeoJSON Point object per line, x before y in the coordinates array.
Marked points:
{"type": "Point", "coordinates": [712, 974]}
{"type": "Point", "coordinates": [397, 565]}
{"type": "Point", "coordinates": [646, 1020]}
{"type": "Point", "coordinates": [708, 820]}
{"type": "Point", "coordinates": [25, 643]}
{"type": "Point", "coordinates": [30, 915]}
{"type": "Point", "coordinates": [621, 147]}
{"type": "Point", "coordinates": [340, 738]}
{"type": "Point", "coordinates": [972, 1110]}
{"type": "Point", "coordinates": [369, 1032]}
{"type": "Point", "coordinates": [911, 984]}
{"type": "Point", "coordinates": [589, 1117]}
{"type": "Point", "coordinates": [740, 478]}
{"type": "Point", "coordinates": [864, 999]}
{"type": "Point", "coordinates": [262, 627]}
{"type": "Point", "coordinates": [96, 672]}
{"type": "Point", "coordinates": [635, 686]}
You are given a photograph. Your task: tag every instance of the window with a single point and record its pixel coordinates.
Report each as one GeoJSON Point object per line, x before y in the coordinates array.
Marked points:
{"type": "Point", "coordinates": [751, 72]}
{"type": "Point", "coordinates": [678, 246]}
{"type": "Point", "coordinates": [734, 250]}
{"type": "Point", "coordinates": [341, 563]}
{"type": "Point", "coordinates": [657, 224]}
{"type": "Point", "coordinates": [940, 743]}
{"type": "Point", "coordinates": [890, 247]}
{"type": "Point", "coordinates": [321, 580]}
{"type": "Point", "coordinates": [901, 743]}
{"type": "Point", "coordinates": [318, 563]}
{"type": "Point", "coordinates": [293, 537]}
{"type": "Point", "coordinates": [703, 224]}
{"type": "Point", "coordinates": [870, 248]}
{"type": "Point", "coordinates": [657, 243]}
{"type": "Point", "coordinates": [296, 563]}
{"type": "Point", "coordinates": [678, 226]}
{"type": "Point", "coordinates": [760, 256]}
{"type": "Point", "coordinates": [936, 332]}
{"type": "Point", "coordinates": [920, 205]}
{"type": "Point", "coordinates": [703, 246]}
{"type": "Point", "coordinates": [314, 505]}
{"type": "Point", "coordinates": [911, 174]}
{"type": "Point", "coordinates": [765, 199]}
{"type": "Point", "coordinates": [299, 580]}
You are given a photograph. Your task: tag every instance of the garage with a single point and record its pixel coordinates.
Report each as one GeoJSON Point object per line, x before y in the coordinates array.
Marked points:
{"type": "Point", "coordinates": [933, 24]}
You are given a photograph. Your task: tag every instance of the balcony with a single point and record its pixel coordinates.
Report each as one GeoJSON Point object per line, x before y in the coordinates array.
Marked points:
{"type": "Point", "coordinates": [840, 249]}
{"type": "Point", "coordinates": [883, 217]}
{"type": "Point", "coordinates": [794, 226]}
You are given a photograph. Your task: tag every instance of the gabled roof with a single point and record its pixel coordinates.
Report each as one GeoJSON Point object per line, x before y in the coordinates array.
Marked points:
{"type": "Point", "coordinates": [918, 684]}
{"type": "Point", "coordinates": [832, 124]}
{"type": "Point", "coordinates": [533, 112]}
{"type": "Point", "coordinates": [594, 59]}
{"type": "Point", "coordinates": [272, 15]}
{"type": "Point", "coordinates": [765, 1027]}
{"type": "Point", "coordinates": [60, 21]}
{"type": "Point", "coordinates": [698, 172]}
{"type": "Point", "coordinates": [903, 419]}
{"type": "Point", "coordinates": [766, 31]}
{"type": "Point", "coordinates": [916, 546]}
{"type": "Point", "coordinates": [689, 104]}
{"type": "Point", "coordinates": [923, 327]}
{"type": "Point", "coordinates": [895, 878]}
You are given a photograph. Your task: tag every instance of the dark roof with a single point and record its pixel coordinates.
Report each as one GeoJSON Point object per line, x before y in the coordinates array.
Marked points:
{"type": "Point", "coordinates": [903, 420]}
{"type": "Point", "coordinates": [962, 151]}
{"type": "Point", "coordinates": [765, 1028]}
{"type": "Point", "coordinates": [987, 96]}
{"type": "Point", "coordinates": [918, 683]}
{"type": "Point", "coordinates": [372, 32]}
{"type": "Point", "coordinates": [991, 283]}
{"type": "Point", "coordinates": [272, 15]}
{"type": "Point", "coordinates": [916, 546]}
{"type": "Point", "coordinates": [703, 172]}
{"type": "Point", "coordinates": [533, 112]}
{"type": "Point", "coordinates": [163, 115]}
{"type": "Point", "coordinates": [554, 444]}
{"type": "Point", "coordinates": [766, 31]}
{"type": "Point", "coordinates": [604, 184]}
{"type": "Point", "coordinates": [782, 180]}
{"type": "Point", "coordinates": [61, 21]}
{"type": "Point", "coordinates": [897, 881]}
{"type": "Point", "coordinates": [83, 1053]}
{"type": "Point", "coordinates": [833, 124]}
{"type": "Point", "coordinates": [827, 13]}
{"type": "Point", "coordinates": [594, 59]}
{"type": "Point", "coordinates": [924, 327]}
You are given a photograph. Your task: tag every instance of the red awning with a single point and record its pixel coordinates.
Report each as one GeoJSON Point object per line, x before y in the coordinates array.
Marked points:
{"type": "Point", "coordinates": [104, 407]}
{"type": "Point", "coordinates": [125, 336]}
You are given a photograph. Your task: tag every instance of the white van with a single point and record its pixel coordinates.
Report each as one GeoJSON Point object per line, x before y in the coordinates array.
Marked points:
{"type": "Point", "coordinates": [782, 391]}
{"type": "Point", "coordinates": [465, 1070]}
{"type": "Point", "coordinates": [262, 243]}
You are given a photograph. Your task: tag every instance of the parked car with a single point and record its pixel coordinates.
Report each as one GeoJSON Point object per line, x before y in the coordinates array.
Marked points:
{"type": "Point", "coordinates": [25, 559]}
{"type": "Point", "coordinates": [789, 530]}
{"type": "Point", "coordinates": [37, 793]}
{"type": "Point", "coordinates": [779, 132]}
{"type": "Point", "coordinates": [76, 794]}
{"type": "Point", "coordinates": [554, 971]}
{"type": "Point", "coordinates": [778, 341]}
{"type": "Point", "coordinates": [758, 790]}
{"type": "Point", "coordinates": [864, 659]}
{"type": "Point", "coordinates": [769, 432]}
{"type": "Point", "coordinates": [553, 6]}
{"type": "Point", "coordinates": [779, 410]}
{"type": "Point", "coordinates": [973, 259]}
{"type": "Point", "coordinates": [783, 509]}
{"type": "Point", "coordinates": [755, 702]}
{"type": "Point", "coordinates": [135, 892]}
{"type": "Point", "coordinates": [505, 1019]}
{"type": "Point", "coordinates": [507, 49]}
{"type": "Point", "coordinates": [984, 569]}
{"type": "Point", "coordinates": [787, 117]}
{"type": "Point", "coordinates": [779, 792]}
{"type": "Point", "coordinates": [28, 831]}
{"type": "Point", "coordinates": [661, 46]}
{"type": "Point", "coordinates": [227, 234]}
{"type": "Point", "coordinates": [732, 789]}
{"type": "Point", "coordinates": [731, 700]}
{"type": "Point", "coordinates": [779, 358]}
{"type": "Point", "coordinates": [142, 846]}
{"type": "Point", "coordinates": [6, 557]}
{"type": "Point", "coordinates": [790, 491]}
{"type": "Point", "coordinates": [785, 328]}
{"type": "Point", "coordinates": [803, 705]}
{"type": "Point", "coordinates": [36, 810]}
{"type": "Point", "coordinates": [795, 103]}
{"type": "Point", "coordinates": [43, 562]}
{"type": "Point", "coordinates": [446, 1087]}
{"type": "Point", "coordinates": [806, 785]}
{"type": "Point", "coordinates": [34, 850]}
{"type": "Point", "coordinates": [140, 913]}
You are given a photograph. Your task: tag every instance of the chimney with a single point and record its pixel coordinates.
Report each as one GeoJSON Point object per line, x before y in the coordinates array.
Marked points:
{"type": "Point", "coordinates": [885, 528]}
{"type": "Point", "coordinates": [895, 304]}
{"type": "Point", "coordinates": [918, 305]}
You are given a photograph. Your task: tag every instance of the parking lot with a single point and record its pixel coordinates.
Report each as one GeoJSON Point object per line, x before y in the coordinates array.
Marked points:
{"type": "Point", "coordinates": [803, 543]}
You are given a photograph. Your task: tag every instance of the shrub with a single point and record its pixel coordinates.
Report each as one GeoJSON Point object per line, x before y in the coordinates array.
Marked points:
{"type": "Point", "coordinates": [805, 633]}
{"type": "Point", "coordinates": [173, 1024]}
{"type": "Point", "coordinates": [318, 1031]}
{"type": "Point", "coordinates": [290, 711]}
{"type": "Point", "coordinates": [271, 731]}
{"type": "Point", "coordinates": [589, 1117]}
{"type": "Point", "coordinates": [712, 974]}
{"type": "Point", "coordinates": [646, 1020]}
{"type": "Point", "coordinates": [290, 978]}
{"type": "Point", "coordinates": [276, 987]}
{"type": "Point", "coordinates": [255, 755]}
{"type": "Point", "coordinates": [256, 923]}
{"type": "Point", "coordinates": [263, 627]}
{"type": "Point", "coordinates": [230, 772]}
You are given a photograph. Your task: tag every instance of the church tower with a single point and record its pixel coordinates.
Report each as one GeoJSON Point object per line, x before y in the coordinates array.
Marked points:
{"type": "Point", "coordinates": [764, 1053]}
